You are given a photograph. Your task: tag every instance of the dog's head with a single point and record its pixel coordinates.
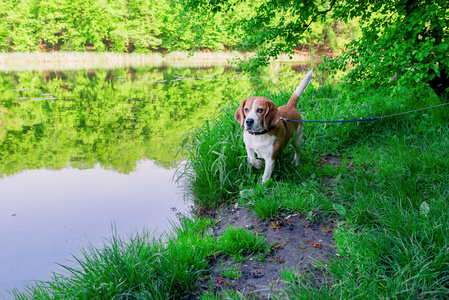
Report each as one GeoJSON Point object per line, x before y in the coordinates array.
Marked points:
{"type": "Point", "coordinates": [257, 114]}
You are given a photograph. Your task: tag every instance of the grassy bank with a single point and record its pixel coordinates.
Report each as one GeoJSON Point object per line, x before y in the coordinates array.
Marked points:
{"type": "Point", "coordinates": [143, 266]}
{"type": "Point", "coordinates": [388, 189]}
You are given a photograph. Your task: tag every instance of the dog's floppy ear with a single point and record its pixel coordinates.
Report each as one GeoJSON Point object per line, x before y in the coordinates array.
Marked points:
{"type": "Point", "coordinates": [239, 114]}
{"type": "Point", "coordinates": [272, 115]}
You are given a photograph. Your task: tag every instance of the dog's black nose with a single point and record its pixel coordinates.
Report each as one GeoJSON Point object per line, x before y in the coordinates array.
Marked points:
{"type": "Point", "coordinates": [249, 122]}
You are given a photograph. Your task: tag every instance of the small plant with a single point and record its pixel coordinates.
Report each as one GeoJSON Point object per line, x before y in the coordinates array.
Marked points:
{"type": "Point", "coordinates": [283, 199]}
{"type": "Point", "coordinates": [237, 241]}
{"type": "Point", "coordinates": [264, 201]}
{"type": "Point", "coordinates": [268, 207]}
{"type": "Point", "coordinates": [261, 257]}
{"type": "Point", "coordinates": [188, 226]}
{"type": "Point", "coordinates": [267, 204]}
{"type": "Point", "coordinates": [231, 272]}
{"type": "Point", "coordinates": [227, 294]}
{"type": "Point", "coordinates": [300, 286]}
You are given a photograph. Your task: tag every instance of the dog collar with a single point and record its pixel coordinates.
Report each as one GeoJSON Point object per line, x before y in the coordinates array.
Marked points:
{"type": "Point", "coordinates": [259, 132]}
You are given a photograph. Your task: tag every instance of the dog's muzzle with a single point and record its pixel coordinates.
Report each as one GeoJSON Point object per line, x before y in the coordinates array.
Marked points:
{"type": "Point", "coordinates": [249, 124]}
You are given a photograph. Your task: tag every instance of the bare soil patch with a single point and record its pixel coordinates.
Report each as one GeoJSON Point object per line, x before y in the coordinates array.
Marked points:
{"type": "Point", "coordinates": [297, 243]}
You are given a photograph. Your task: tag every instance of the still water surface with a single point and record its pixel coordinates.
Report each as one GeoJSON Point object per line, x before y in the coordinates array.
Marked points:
{"type": "Point", "coordinates": [82, 151]}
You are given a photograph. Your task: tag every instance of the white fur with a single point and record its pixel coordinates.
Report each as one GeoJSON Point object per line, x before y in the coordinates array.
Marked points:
{"type": "Point", "coordinates": [304, 83]}
{"type": "Point", "coordinates": [263, 146]}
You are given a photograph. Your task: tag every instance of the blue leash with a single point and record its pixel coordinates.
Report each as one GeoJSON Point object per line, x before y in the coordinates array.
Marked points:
{"type": "Point", "coordinates": [366, 119]}
{"type": "Point", "coordinates": [339, 121]}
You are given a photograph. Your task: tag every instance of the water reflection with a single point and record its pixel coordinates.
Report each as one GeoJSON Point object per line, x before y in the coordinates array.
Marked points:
{"type": "Point", "coordinates": [82, 149]}
{"type": "Point", "coordinates": [92, 117]}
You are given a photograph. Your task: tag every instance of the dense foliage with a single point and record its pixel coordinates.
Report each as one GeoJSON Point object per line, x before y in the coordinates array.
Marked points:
{"type": "Point", "coordinates": [99, 25]}
{"type": "Point", "coordinates": [403, 38]}
{"type": "Point", "coordinates": [134, 26]}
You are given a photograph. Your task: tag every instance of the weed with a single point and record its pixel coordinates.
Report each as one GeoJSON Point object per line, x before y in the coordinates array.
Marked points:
{"type": "Point", "coordinates": [231, 272]}
{"type": "Point", "coordinates": [266, 203]}
{"type": "Point", "coordinates": [300, 286]}
{"type": "Point", "coordinates": [240, 241]}
{"type": "Point", "coordinates": [228, 295]}
{"type": "Point", "coordinates": [238, 257]}
{"type": "Point", "coordinates": [261, 257]}
{"type": "Point", "coordinates": [281, 199]}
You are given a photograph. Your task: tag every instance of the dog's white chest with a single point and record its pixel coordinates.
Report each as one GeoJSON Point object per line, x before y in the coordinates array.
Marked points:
{"type": "Point", "coordinates": [262, 144]}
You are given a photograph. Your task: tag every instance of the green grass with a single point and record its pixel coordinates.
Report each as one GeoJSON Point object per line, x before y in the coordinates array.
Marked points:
{"type": "Point", "coordinates": [239, 242]}
{"type": "Point", "coordinates": [273, 201]}
{"type": "Point", "coordinates": [138, 267]}
{"type": "Point", "coordinates": [231, 272]}
{"type": "Point", "coordinates": [390, 192]}
{"type": "Point", "coordinates": [227, 294]}
{"type": "Point", "coordinates": [216, 165]}
{"type": "Point", "coordinates": [144, 267]}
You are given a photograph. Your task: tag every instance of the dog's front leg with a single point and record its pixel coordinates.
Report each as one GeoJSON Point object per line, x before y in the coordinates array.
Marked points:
{"type": "Point", "coordinates": [256, 163]}
{"type": "Point", "coordinates": [269, 165]}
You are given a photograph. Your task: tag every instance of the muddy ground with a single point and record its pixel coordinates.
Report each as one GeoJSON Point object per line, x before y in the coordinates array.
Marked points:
{"type": "Point", "coordinates": [297, 243]}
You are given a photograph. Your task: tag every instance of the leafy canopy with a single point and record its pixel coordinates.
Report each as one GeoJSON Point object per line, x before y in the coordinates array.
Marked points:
{"type": "Point", "coordinates": [101, 25]}
{"type": "Point", "coordinates": [402, 39]}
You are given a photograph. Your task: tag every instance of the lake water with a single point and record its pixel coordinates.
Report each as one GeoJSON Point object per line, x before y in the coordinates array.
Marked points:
{"type": "Point", "coordinates": [87, 152]}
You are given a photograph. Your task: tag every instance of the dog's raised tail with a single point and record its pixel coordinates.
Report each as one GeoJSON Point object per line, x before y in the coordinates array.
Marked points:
{"type": "Point", "coordinates": [301, 87]}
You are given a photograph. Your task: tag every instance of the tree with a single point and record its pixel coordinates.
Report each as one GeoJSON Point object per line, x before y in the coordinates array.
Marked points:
{"type": "Point", "coordinates": [403, 38]}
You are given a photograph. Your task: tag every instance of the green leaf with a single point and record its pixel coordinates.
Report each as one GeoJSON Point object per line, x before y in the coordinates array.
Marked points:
{"type": "Point", "coordinates": [424, 209]}
{"type": "Point", "coordinates": [340, 209]}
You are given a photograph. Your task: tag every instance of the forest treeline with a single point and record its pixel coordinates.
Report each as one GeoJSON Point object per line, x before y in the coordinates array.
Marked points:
{"type": "Point", "coordinates": [134, 26]}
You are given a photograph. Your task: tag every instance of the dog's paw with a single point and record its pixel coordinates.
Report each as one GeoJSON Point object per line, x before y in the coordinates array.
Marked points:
{"type": "Point", "coordinates": [265, 179]}
{"type": "Point", "coordinates": [257, 163]}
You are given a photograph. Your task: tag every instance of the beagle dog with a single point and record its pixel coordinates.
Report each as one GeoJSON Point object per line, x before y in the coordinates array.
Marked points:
{"type": "Point", "coordinates": [267, 132]}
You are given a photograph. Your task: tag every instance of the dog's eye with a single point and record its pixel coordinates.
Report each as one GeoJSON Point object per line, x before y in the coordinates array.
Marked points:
{"type": "Point", "coordinates": [259, 110]}
{"type": "Point", "coordinates": [247, 109]}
